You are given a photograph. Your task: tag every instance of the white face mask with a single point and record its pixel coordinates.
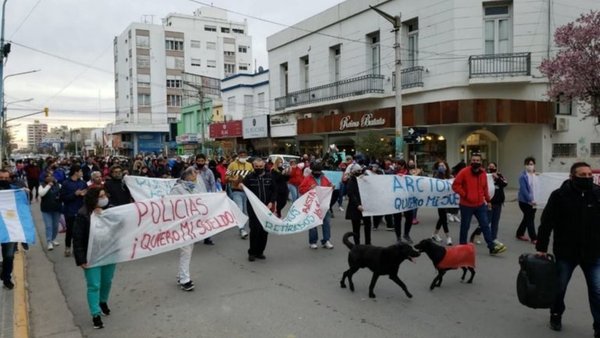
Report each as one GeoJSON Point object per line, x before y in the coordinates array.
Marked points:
{"type": "Point", "coordinates": [102, 202]}
{"type": "Point", "coordinates": [243, 160]}
{"type": "Point", "coordinates": [530, 168]}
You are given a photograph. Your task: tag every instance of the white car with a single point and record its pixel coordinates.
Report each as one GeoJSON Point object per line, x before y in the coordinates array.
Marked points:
{"type": "Point", "coordinates": [286, 158]}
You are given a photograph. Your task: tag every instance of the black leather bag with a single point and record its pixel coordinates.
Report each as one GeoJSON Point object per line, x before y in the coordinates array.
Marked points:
{"type": "Point", "coordinates": [537, 281]}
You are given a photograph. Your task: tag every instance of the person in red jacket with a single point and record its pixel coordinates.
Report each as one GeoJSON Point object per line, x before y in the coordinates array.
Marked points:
{"type": "Point", "coordinates": [316, 178]}
{"type": "Point", "coordinates": [471, 185]}
{"type": "Point", "coordinates": [296, 178]}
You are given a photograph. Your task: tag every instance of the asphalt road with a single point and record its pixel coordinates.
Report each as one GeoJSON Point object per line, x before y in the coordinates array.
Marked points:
{"type": "Point", "coordinates": [295, 292]}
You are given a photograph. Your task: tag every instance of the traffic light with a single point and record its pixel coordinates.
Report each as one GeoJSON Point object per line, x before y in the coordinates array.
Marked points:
{"type": "Point", "coordinates": [46, 111]}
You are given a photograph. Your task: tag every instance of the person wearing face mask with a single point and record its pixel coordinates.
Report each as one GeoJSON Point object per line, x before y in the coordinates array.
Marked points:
{"type": "Point", "coordinates": [572, 215]}
{"type": "Point", "coordinates": [50, 207]}
{"type": "Point", "coordinates": [261, 183]}
{"type": "Point", "coordinates": [318, 179]}
{"type": "Point", "coordinates": [71, 194]}
{"type": "Point", "coordinates": [471, 185]}
{"type": "Point", "coordinates": [208, 180]}
{"type": "Point", "coordinates": [527, 182]}
{"type": "Point", "coordinates": [188, 184]}
{"type": "Point", "coordinates": [496, 203]}
{"type": "Point", "coordinates": [354, 208]}
{"type": "Point", "coordinates": [99, 278]}
{"type": "Point", "coordinates": [236, 172]}
{"type": "Point", "coordinates": [441, 172]}
{"type": "Point", "coordinates": [281, 176]}
{"type": "Point", "coordinates": [117, 190]}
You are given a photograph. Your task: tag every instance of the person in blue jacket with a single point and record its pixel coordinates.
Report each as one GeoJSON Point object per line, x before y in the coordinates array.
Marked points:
{"type": "Point", "coordinates": [71, 194]}
{"type": "Point", "coordinates": [527, 182]}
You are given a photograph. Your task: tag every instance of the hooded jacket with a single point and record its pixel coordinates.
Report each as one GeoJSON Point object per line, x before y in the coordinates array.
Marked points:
{"type": "Point", "coordinates": [472, 188]}
{"type": "Point", "coordinates": [574, 217]}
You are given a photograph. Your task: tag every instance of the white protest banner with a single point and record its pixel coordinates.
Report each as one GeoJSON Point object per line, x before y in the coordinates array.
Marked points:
{"type": "Point", "coordinates": [16, 222]}
{"type": "Point", "coordinates": [305, 213]}
{"type": "Point", "coordinates": [390, 194]}
{"type": "Point", "coordinates": [143, 188]}
{"type": "Point", "coordinates": [546, 184]}
{"type": "Point", "coordinates": [154, 226]}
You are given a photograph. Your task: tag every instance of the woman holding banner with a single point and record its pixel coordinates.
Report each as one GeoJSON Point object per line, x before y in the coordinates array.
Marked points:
{"type": "Point", "coordinates": [354, 208]}
{"type": "Point", "coordinates": [188, 184]}
{"type": "Point", "coordinates": [98, 278]}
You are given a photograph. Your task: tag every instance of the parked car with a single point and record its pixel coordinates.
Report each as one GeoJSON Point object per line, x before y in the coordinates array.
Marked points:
{"type": "Point", "coordinates": [286, 158]}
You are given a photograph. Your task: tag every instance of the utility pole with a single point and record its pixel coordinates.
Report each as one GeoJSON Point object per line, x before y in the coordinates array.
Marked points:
{"type": "Point", "coordinates": [397, 24]}
{"type": "Point", "coordinates": [3, 53]}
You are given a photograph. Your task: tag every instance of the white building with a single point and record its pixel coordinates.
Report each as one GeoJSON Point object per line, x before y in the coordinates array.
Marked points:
{"type": "Point", "coordinates": [469, 76]}
{"type": "Point", "coordinates": [150, 62]}
{"type": "Point", "coordinates": [35, 133]}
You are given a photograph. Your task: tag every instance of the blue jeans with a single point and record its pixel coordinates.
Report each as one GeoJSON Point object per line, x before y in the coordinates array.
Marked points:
{"type": "Point", "coordinates": [293, 191]}
{"type": "Point", "coordinates": [51, 220]}
{"type": "Point", "coordinates": [480, 212]}
{"type": "Point", "coordinates": [494, 218]}
{"type": "Point", "coordinates": [313, 235]}
{"type": "Point", "coordinates": [591, 271]}
{"type": "Point", "coordinates": [8, 257]}
{"type": "Point", "coordinates": [241, 200]}
{"type": "Point", "coordinates": [342, 193]}
{"type": "Point", "coordinates": [99, 282]}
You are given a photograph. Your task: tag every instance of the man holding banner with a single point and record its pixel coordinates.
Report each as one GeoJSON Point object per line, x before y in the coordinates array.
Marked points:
{"type": "Point", "coordinates": [472, 187]}
{"type": "Point", "coordinates": [263, 186]}
{"type": "Point", "coordinates": [316, 179]}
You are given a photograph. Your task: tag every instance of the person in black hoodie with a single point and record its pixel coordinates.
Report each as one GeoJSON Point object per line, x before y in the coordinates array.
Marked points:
{"type": "Point", "coordinates": [354, 208]}
{"type": "Point", "coordinates": [495, 206]}
{"type": "Point", "coordinates": [261, 183]}
{"type": "Point", "coordinates": [281, 176]}
{"type": "Point", "coordinates": [98, 278]}
{"type": "Point", "coordinates": [117, 191]}
{"type": "Point", "coordinates": [573, 214]}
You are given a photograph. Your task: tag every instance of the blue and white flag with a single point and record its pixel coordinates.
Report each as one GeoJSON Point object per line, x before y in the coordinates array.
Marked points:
{"type": "Point", "coordinates": [16, 222]}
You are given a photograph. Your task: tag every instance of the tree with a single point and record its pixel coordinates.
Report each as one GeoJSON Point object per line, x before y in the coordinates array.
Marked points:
{"type": "Point", "coordinates": [573, 71]}
{"type": "Point", "coordinates": [372, 145]}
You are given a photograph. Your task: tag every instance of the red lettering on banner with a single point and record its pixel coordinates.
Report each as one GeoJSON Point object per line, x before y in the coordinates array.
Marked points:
{"type": "Point", "coordinates": [141, 213]}
{"type": "Point", "coordinates": [164, 213]}
{"type": "Point", "coordinates": [155, 212]}
{"type": "Point", "coordinates": [177, 209]}
{"type": "Point", "coordinates": [309, 199]}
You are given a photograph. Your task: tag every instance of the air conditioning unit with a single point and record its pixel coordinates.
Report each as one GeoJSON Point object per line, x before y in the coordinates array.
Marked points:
{"type": "Point", "coordinates": [561, 123]}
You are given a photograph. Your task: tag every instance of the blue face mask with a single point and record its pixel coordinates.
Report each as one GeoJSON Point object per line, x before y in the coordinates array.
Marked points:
{"type": "Point", "coordinates": [441, 170]}
{"type": "Point", "coordinates": [190, 185]}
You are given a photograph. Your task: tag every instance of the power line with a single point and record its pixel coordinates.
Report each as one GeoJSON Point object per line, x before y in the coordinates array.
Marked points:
{"type": "Point", "coordinates": [25, 19]}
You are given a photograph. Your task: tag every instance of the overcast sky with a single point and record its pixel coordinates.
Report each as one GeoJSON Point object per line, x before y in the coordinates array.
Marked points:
{"type": "Point", "coordinates": [71, 42]}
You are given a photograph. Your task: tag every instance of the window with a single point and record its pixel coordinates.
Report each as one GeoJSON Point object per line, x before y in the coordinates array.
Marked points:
{"type": "Point", "coordinates": [144, 100]}
{"type": "Point", "coordinates": [564, 150]}
{"type": "Point", "coordinates": [229, 53]}
{"type": "Point", "coordinates": [173, 100]}
{"type": "Point", "coordinates": [231, 104]}
{"type": "Point", "coordinates": [261, 100]}
{"type": "Point", "coordinates": [413, 42]}
{"type": "Point", "coordinates": [224, 30]}
{"type": "Point", "coordinates": [374, 51]}
{"type": "Point", "coordinates": [143, 61]}
{"type": "Point", "coordinates": [595, 149]}
{"type": "Point", "coordinates": [196, 62]}
{"type": "Point", "coordinates": [237, 30]}
{"type": "Point", "coordinates": [283, 70]}
{"type": "Point", "coordinates": [229, 69]}
{"type": "Point", "coordinates": [211, 45]}
{"type": "Point", "coordinates": [143, 80]}
{"type": "Point", "coordinates": [211, 63]}
{"type": "Point", "coordinates": [142, 41]}
{"type": "Point", "coordinates": [497, 29]}
{"type": "Point", "coordinates": [172, 44]}
{"type": "Point", "coordinates": [174, 82]}
{"type": "Point", "coordinates": [304, 72]}
{"type": "Point", "coordinates": [243, 49]}
{"type": "Point", "coordinates": [174, 62]}
{"type": "Point", "coordinates": [210, 28]}
{"type": "Point", "coordinates": [564, 108]}
{"type": "Point", "coordinates": [243, 66]}
{"type": "Point", "coordinates": [195, 44]}
{"type": "Point", "coordinates": [248, 105]}
{"type": "Point", "coordinates": [335, 62]}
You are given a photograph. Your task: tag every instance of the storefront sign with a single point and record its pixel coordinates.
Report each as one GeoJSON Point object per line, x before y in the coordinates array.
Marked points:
{"type": "Point", "coordinates": [150, 142]}
{"type": "Point", "coordinates": [366, 121]}
{"type": "Point", "coordinates": [187, 138]}
{"type": "Point", "coordinates": [255, 127]}
{"type": "Point", "coordinates": [228, 129]}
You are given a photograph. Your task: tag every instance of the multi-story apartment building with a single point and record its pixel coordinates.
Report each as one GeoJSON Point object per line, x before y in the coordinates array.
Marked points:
{"type": "Point", "coordinates": [150, 63]}
{"type": "Point", "coordinates": [35, 133]}
{"type": "Point", "coordinates": [469, 76]}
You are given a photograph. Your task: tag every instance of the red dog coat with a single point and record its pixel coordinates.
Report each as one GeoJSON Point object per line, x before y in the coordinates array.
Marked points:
{"type": "Point", "coordinates": [458, 256]}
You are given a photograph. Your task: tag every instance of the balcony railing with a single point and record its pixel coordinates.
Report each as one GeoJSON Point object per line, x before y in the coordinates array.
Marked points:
{"type": "Point", "coordinates": [412, 77]}
{"type": "Point", "coordinates": [490, 65]}
{"type": "Point", "coordinates": [350, 87]}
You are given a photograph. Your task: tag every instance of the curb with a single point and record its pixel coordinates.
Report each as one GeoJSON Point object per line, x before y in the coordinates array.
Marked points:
{"type": "Point", "coordinates": [21, 308]}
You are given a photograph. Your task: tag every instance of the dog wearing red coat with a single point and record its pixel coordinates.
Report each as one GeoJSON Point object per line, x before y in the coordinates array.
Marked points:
{"type": "Point", "coordinates": [449, 258]}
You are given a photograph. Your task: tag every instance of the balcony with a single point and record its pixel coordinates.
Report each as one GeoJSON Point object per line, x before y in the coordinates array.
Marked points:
{"type": "Point", "coordinates": [412, 77]}
{"type": "Point", "coordinates": [361, 85]}
{"type": "Point", "coordinates": [500, 65]}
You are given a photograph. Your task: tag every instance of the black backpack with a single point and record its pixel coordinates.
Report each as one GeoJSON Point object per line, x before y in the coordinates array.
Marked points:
{"type": "Point", "coordinates": [537, 281]}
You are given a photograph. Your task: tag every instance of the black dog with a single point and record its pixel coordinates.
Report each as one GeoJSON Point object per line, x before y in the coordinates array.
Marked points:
{"type": "Point", "coordinates": [382, 261]}
{"type": "Point", "coordinates": [450, 258]}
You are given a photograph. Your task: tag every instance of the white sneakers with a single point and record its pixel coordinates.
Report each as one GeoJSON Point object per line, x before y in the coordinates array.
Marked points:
{"type": "Point", "coordinates": [436, 238]}
{"type": "Point", "coordinates": [50, 246]}
{"type": "Point", "coordinates": [313, 246]}
{"type": "Point", "coordinates": [341, 209]}
{"type": "Point", "coordinates": [453, 218]}
{"type": "Point", "coordinates": [449, 241]}
{"type": "Point", "coordinates": [328, 245]}
{"type": "Point", "coordinates": [243, 234]}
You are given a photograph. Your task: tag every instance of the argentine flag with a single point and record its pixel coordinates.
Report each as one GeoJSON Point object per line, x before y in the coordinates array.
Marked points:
{"type": "Point", "coordinates": [16, 222]}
